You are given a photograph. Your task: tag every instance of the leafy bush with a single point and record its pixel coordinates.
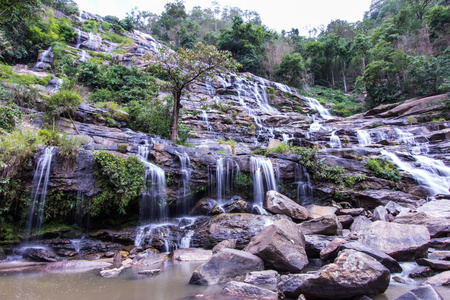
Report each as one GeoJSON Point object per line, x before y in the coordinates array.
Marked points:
{"type": "Point", "coordinates": [10, 116]}
{"type": "Point", "coordinates": [63, 102]}
{"type": "Point", "coordinates": [383, 169]}
{"type": "Point", "coordinates": [121, 180]}
{"type": "Point", "coordinates": [280, 149]}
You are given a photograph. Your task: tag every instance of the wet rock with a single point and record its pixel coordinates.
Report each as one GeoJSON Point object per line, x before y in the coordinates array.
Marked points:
{"type": "Point", "coordinates": [330, 251]}
{"type": "Point", "coordinates": [224, 244]}
{"type": "Point", "coordinates": [76, 265]}
{"type": "Point", "coordinates": [2, 254]}
{"type": "Point", "coordinates": [291, 285]}
{"type": "Point", "coordinates": [352, 274]}
{"type": "Point", "coordinates": [380, 214]}
{"type": "Point", "coordinates": [242, 227]}
{"type": "Point", "coordinates": [421, 272]}
{"type": "Point", "coordinates": [402, 242]}
{"type": "Point", "coordinates": [217, 210]}
{"type": "Point", "coordinates": [436, 209]}
{"type": "Point", "coordinates": [327, 225]}
{"type": "Point", "coordinates": [148, 258]}
{"type": "Point", "coordinates": [242, 289]}
{"type": "Point", "coordinates": [440, 279]}
{"type": "Point", "coordinates": [66, 253]}
{"type": "Point", "coordinates": [394, 208]}
{"type": "Point", "coordinates": [238, 206]}
{"type": "Point", "coordinates": [316, 211]}
{"type": "Point", "coordinates": [203, 206]}
{"type": "Point", "coordinates": [426, 292]}
{"type": "Point", "coordinates": [40, 255]}
{"type": "Point", "coordinates": [191, 255]}
{"type": "Point", "coordinates": [437, 227]}
{"type": "Point", "coordinates": [277, 203]}
{"type": "Point", "coordinates": [354, 212]}
{"type": "Point", "coordinates": [110, 273]}
{"type": "Point", "coordinates": [359, 224]}
{"type": "Point", "coordinates": [440, 265]}
{"type": "Point", "coordinates": [440, 243]}
{"type": "Point", "coordinates": [281, 246]}
{"type": "Point", "coordinates": [265, 278]}
{"type": "Point", "coordinates": [345, 220]}
{"type": "Point", "coordinates": [225, 265]}
{"type": "Point", "coordinates": [380, 256]}
{"type": "Point", "coordinates": [150, 272]}
{"type": "Point", "coordinates": [316, 243]}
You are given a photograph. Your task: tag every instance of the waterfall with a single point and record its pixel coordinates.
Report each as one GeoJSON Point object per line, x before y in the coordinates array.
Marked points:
{"type": "Point", "coordinates": [183, 185]}
{"type": "Point", "coordinates": [316, 126]}
{"type": "Point", "coordinates": [186, 240]}
{"type": "Point", "coordinates": [39, 192]}
{"type": "Point", "coordinates": [263, 178]}
{"type": "Point", "coordinates": [226, 173]}
{"type": "Point", "coordinates": [78, 43]}
{"type": "Point", "coordinates": [304, 185]}
{"type": "Point", "coordinates": [205, 120]}
{"type": "Point", "coordinates": [323, 112]}
{"type": "Point", "coordinates": [153, 206]}
{"type": "Point", "coordinates": [363, 137]}
{"type": "Point", "coordinates": [43, 58]}
{"type": "Point", "coordinates": [335, 142]}
{"type": "Point", "coordinates": [431, 173]}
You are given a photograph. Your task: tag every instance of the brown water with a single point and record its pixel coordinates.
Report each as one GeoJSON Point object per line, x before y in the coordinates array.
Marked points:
{"type": "Point", "coordinates": [170, 284]}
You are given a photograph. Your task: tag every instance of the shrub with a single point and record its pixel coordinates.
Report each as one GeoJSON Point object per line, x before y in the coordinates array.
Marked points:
{"type": "Point", "coordinates": [63, 102]}
{"type": "Point", "coordinates": [280, 149]}
{"type": "Point", "coordinates": [10, 116]}
{"type": "Point", "coordinates": [383, 169]}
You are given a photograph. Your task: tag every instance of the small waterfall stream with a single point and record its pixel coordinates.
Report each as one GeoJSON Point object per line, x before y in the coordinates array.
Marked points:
{"type": "Point", "coordinates": [226, 172]}
{"type": "Point", "coordinates": [323, 112]}
{"type": "Point", "coordinates": [263, 178]}
{"type": "Point", "coordinates": [335, 141]}
{"type": "Point", "coordinates": [43, 58]}
{"type": "Point", "coordinates": [304, 186]}
{"type": "Point", "coordinates": [363, 137]}
{"type": "Point", "coordinates": [183, 185]}
{"type": "Point", "coordinates": [39, 192]}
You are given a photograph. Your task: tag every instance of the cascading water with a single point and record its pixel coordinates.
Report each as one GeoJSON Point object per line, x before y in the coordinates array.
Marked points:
{"type": "Point", "coordinates": [431, 173]}
{"type": "Point", "coordinates": [323, 112]}
{"type": "Point", "coordinates": [304, 186]}
{"type": "Point", "coordinates": [78, 43]}
{"type": "Point", "coordinates": [226, 172]}
{"type": "Point", "coordinates": [39, 192]}
{"type": "Point", "coordinates": [205, 120]}
{"type": "Point", "coordinates": [316, 126]}
{"type": "Point", "coordinates": [363, 137]}
{"type": "Point", "coordinates": [183, 185]}
{"type": "Point", "coordinates": [43, 58]}
{"type": "Point", "coordinates": [263, 178]}
{"type": "Point", "coordinates": [335, 142]}
{"type": "Point", "coordinates": [153, 206]}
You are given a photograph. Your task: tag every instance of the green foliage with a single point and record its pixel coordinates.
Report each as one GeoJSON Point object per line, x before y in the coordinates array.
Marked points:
{"type": "Point", "coordinates": [291, 70]}
{"type": "Point", "coordinates": [90, 26]}
{"type": "Point", "coordinates": [10, 116]}
{"type": "Point", "coordinates": [63, 102]}
{"type": "Point", "coordinates": [243, 181]}
{"type": "Point", "coordinates": [422, 74]}
{"type": "Point", "coordinates": [123, 41]}
{"type": "Point", "coordinates": [344, 105]}
{"type": "Point", "coordinates": [383, 169]}
{"type": "Point", "coordinates": [121, 180]}
{"type": "Point", "coordinates": [280, 149]}
{"type": "Point", "coordinates": [260, 151]}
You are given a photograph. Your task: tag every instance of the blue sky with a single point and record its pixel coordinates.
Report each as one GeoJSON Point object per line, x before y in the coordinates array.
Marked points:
{"type": "Point", "coordinates": [276, 14]}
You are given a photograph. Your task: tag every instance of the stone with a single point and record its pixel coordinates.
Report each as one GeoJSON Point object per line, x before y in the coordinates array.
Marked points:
{"type": "Point", "coordinates": [354, 212]}
{"type": "Point", "coordinates": [360, 223]}
{"type": "Point", "coordinates": [421, 272]}
{"type": "Point", "coordinates": [242, 289]}
{"type": "Point", "coordinates": [148, 258]}
{"type": "Point", "coordinates": [345, 220]}
{"type": "Point", "coordinates": [238, 206]}
{"type": "Point", "coordinates": [191, 255]}
{"type": "Point", "coordinates": [281, 246]}
{"type": "Point", "coordinates": [426, 292]}
{"type": "Point", "coordinates": [242, 227]}
{"type": "Point", "coordinates": [291, 285]}
{"type": "Point", "coordinates": [380, 214]}
{"type": "Point", "coordinates": [150, 272]}
{"type": "Point", "coordinates": [316, 211]}
{"type": "Point", "coordinates": [440, 279]}
{"type": "Point", "coordinates": [440, 243]}
{"type": "Point", "coordinates": [76, 265]}
{"type": "Point", "coordinates": [225, 265]}
{"type": "Point", "coordinates": [110, 273]}
{"type": "Point", "coordinates": [330, 251]}
{"type": "Point", "coordinates": [436, 264]}
{"type": "Point", "coordinates": [66, 253]}
{"type": "Point", "coordinates": [224, 244]}
{"type": "Point", "coordinates": [400, 241]}
{"type": "Point", "coordinates": [394, 208]}
{"type": "Point", "coordinates": [436, 209]}
{"type": "Point", "coordinates": [327, 225]}
{"type": "Point", "coordinates": [264, 278]}
{"type": "Point", "coordinates": [277, 203]}
{"type": "Point", "coordinates": [438, 227]}
{"type": "Point", "coordinates": [316, 243]}
{"type": "Point", "coordinates": [217, 210]}
{"type": "Point", "coordinates": [352, 274]}
{"type": "Point", "coordinates": [380, 256]}
{"type": "Point", "coordinates": [273, 143]}
{"type": "Point", "coordinates": [39, 255]}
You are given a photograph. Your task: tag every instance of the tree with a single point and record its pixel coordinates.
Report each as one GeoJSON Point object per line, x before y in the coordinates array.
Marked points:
{"type": "Point", "coordinates": [292, 70]}
{"type": "Point", "coordinates": [184, 66]}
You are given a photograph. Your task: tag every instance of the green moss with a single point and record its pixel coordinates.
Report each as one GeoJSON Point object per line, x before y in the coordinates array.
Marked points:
{"type": "Point", "coordinates": [383, 169]}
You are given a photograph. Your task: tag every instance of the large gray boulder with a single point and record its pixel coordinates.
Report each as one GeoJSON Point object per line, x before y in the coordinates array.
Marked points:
{"type": "Point", "coordinates": [40, 255]}
{"type": "Point", "coordinates": [277, 203]}
{"type": "Point", "coordinates": [148, 258]}
{"type": "Point", "coordinates": [440, 279]}
{"type": "Point", "coordinates": [267, 278]}
{"type": "Point", "coordinates": [359, 224]}
{"type": "Point", "coordinates": [438, 227]}
{"type": "Point", "coordinates": [426, 292]}
{"type": "Point", "coordinates": [402, 242]}
{"type": "Point", "coordinates": [436, 264]}
{"type": "Point", "coordinates": [352, 274]}
{"type": "Point", "coordinates": [436, 209]}
{"type": "Point", "coordinates": [191, 255]}
{"type": "Point", "coordinates": [242, 227]}
{"type": "Point", "coordinates": [327, 225]}
{"type": "Point", "coordinates": [225, 265]}
{"type": "Point", "coordinates": [380, 214]}
{"type": "Point", "coordinates": [281, 246]}
{"type": "Point", "coordinates": [317, 211]}
{"type": "Point", "coordinates": [315, 243]}
{"type": "Point", "coordinates": [242, 289]}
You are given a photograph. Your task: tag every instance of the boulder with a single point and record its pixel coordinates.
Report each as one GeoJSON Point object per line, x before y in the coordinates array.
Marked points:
{"type": "Point", "coordinates": [436, 264]}
{"type": "Point", "coordinates": [359, 224]}
{"type": "Point", "coordinates": [242, 227]}
{"type": "Point", "coordinates": [440, 243]}
{"type": "Point", "coordinates": [345, 220]}
{"type": "Point", "coordinates": [39, 255]}
{"type": "Point", "coordinates": [354, 212]}
{"type": "Point", "coordinates": [327, 225]}
{"type": "Point", "coordinates": [330, 251]}
{"type": "Point", "coordinates": [437, 227]}
{"type": "Point", "coordinates": [291, 285]}
{"type": "Point", "coordinates": [191, 255]}
{"type": "Point", "coordinates": [238, 206]}
{"type": "Point", "coordinates": [402, 242]}
{"type": "Point", "coordinates": [394, 208]}
{"type": "Point", "coordinates": [380, 214]}
{"type": "Point", "coordinates": [281, 246]}
{"type": "Point", "coordinates": [380, 256]}
{"type": "Point", "coordinates": [242, 289]}
{"type": "Point", "coordinates": [264, 278]}
{"type": "Point", "coordinates": [316, 243]}
{"type": "Point", "coordinates": [76, 265]}
{"type": "Point", "coordinates": [224, 244]}
{"type": "Point", "coordinates": [426, 292]}
{"type": "Point", "coordinates": [436, 209]}
{"type": "Point", "coordinates": [110, 273]}
{"type": "Point", "coordinates": [152, 272]}
{"type": "Point", "coordinates": [225, 265]}
{"type": "Point", "coordinates": [277, 203]}
{"type": "Point", "coordinates": [148, 258]}
{"type": "Point", "coordinates": [352, 274]}
{"type": "Point", "coordinates": [440, 279]}
{"type": "Point", "coordinates": [421, 272]}
{"type": "Point", "coordinates": [316, 211]}
{"type": "Point", "coordinates": [66, 253]}
{"type": "Point", "coordinates": [203, 206]}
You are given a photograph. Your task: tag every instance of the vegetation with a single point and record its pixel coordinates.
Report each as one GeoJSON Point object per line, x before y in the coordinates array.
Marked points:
{"type": "Point", "coordinates": [383, 169]}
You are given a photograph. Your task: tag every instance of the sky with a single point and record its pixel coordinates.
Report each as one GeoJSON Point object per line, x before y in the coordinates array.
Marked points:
{"type": "Point", "coordinates": [275, 14]}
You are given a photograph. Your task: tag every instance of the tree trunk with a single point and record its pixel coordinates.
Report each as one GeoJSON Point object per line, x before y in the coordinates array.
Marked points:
{"type": "Point", "coordinates": [363, 65]}
{"type": "Point", "coordinates": [175, 113]}
{"type": "Point", "coordinates": [345, 82]}
{"type": "Point", "coordinates": [332, 72]}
